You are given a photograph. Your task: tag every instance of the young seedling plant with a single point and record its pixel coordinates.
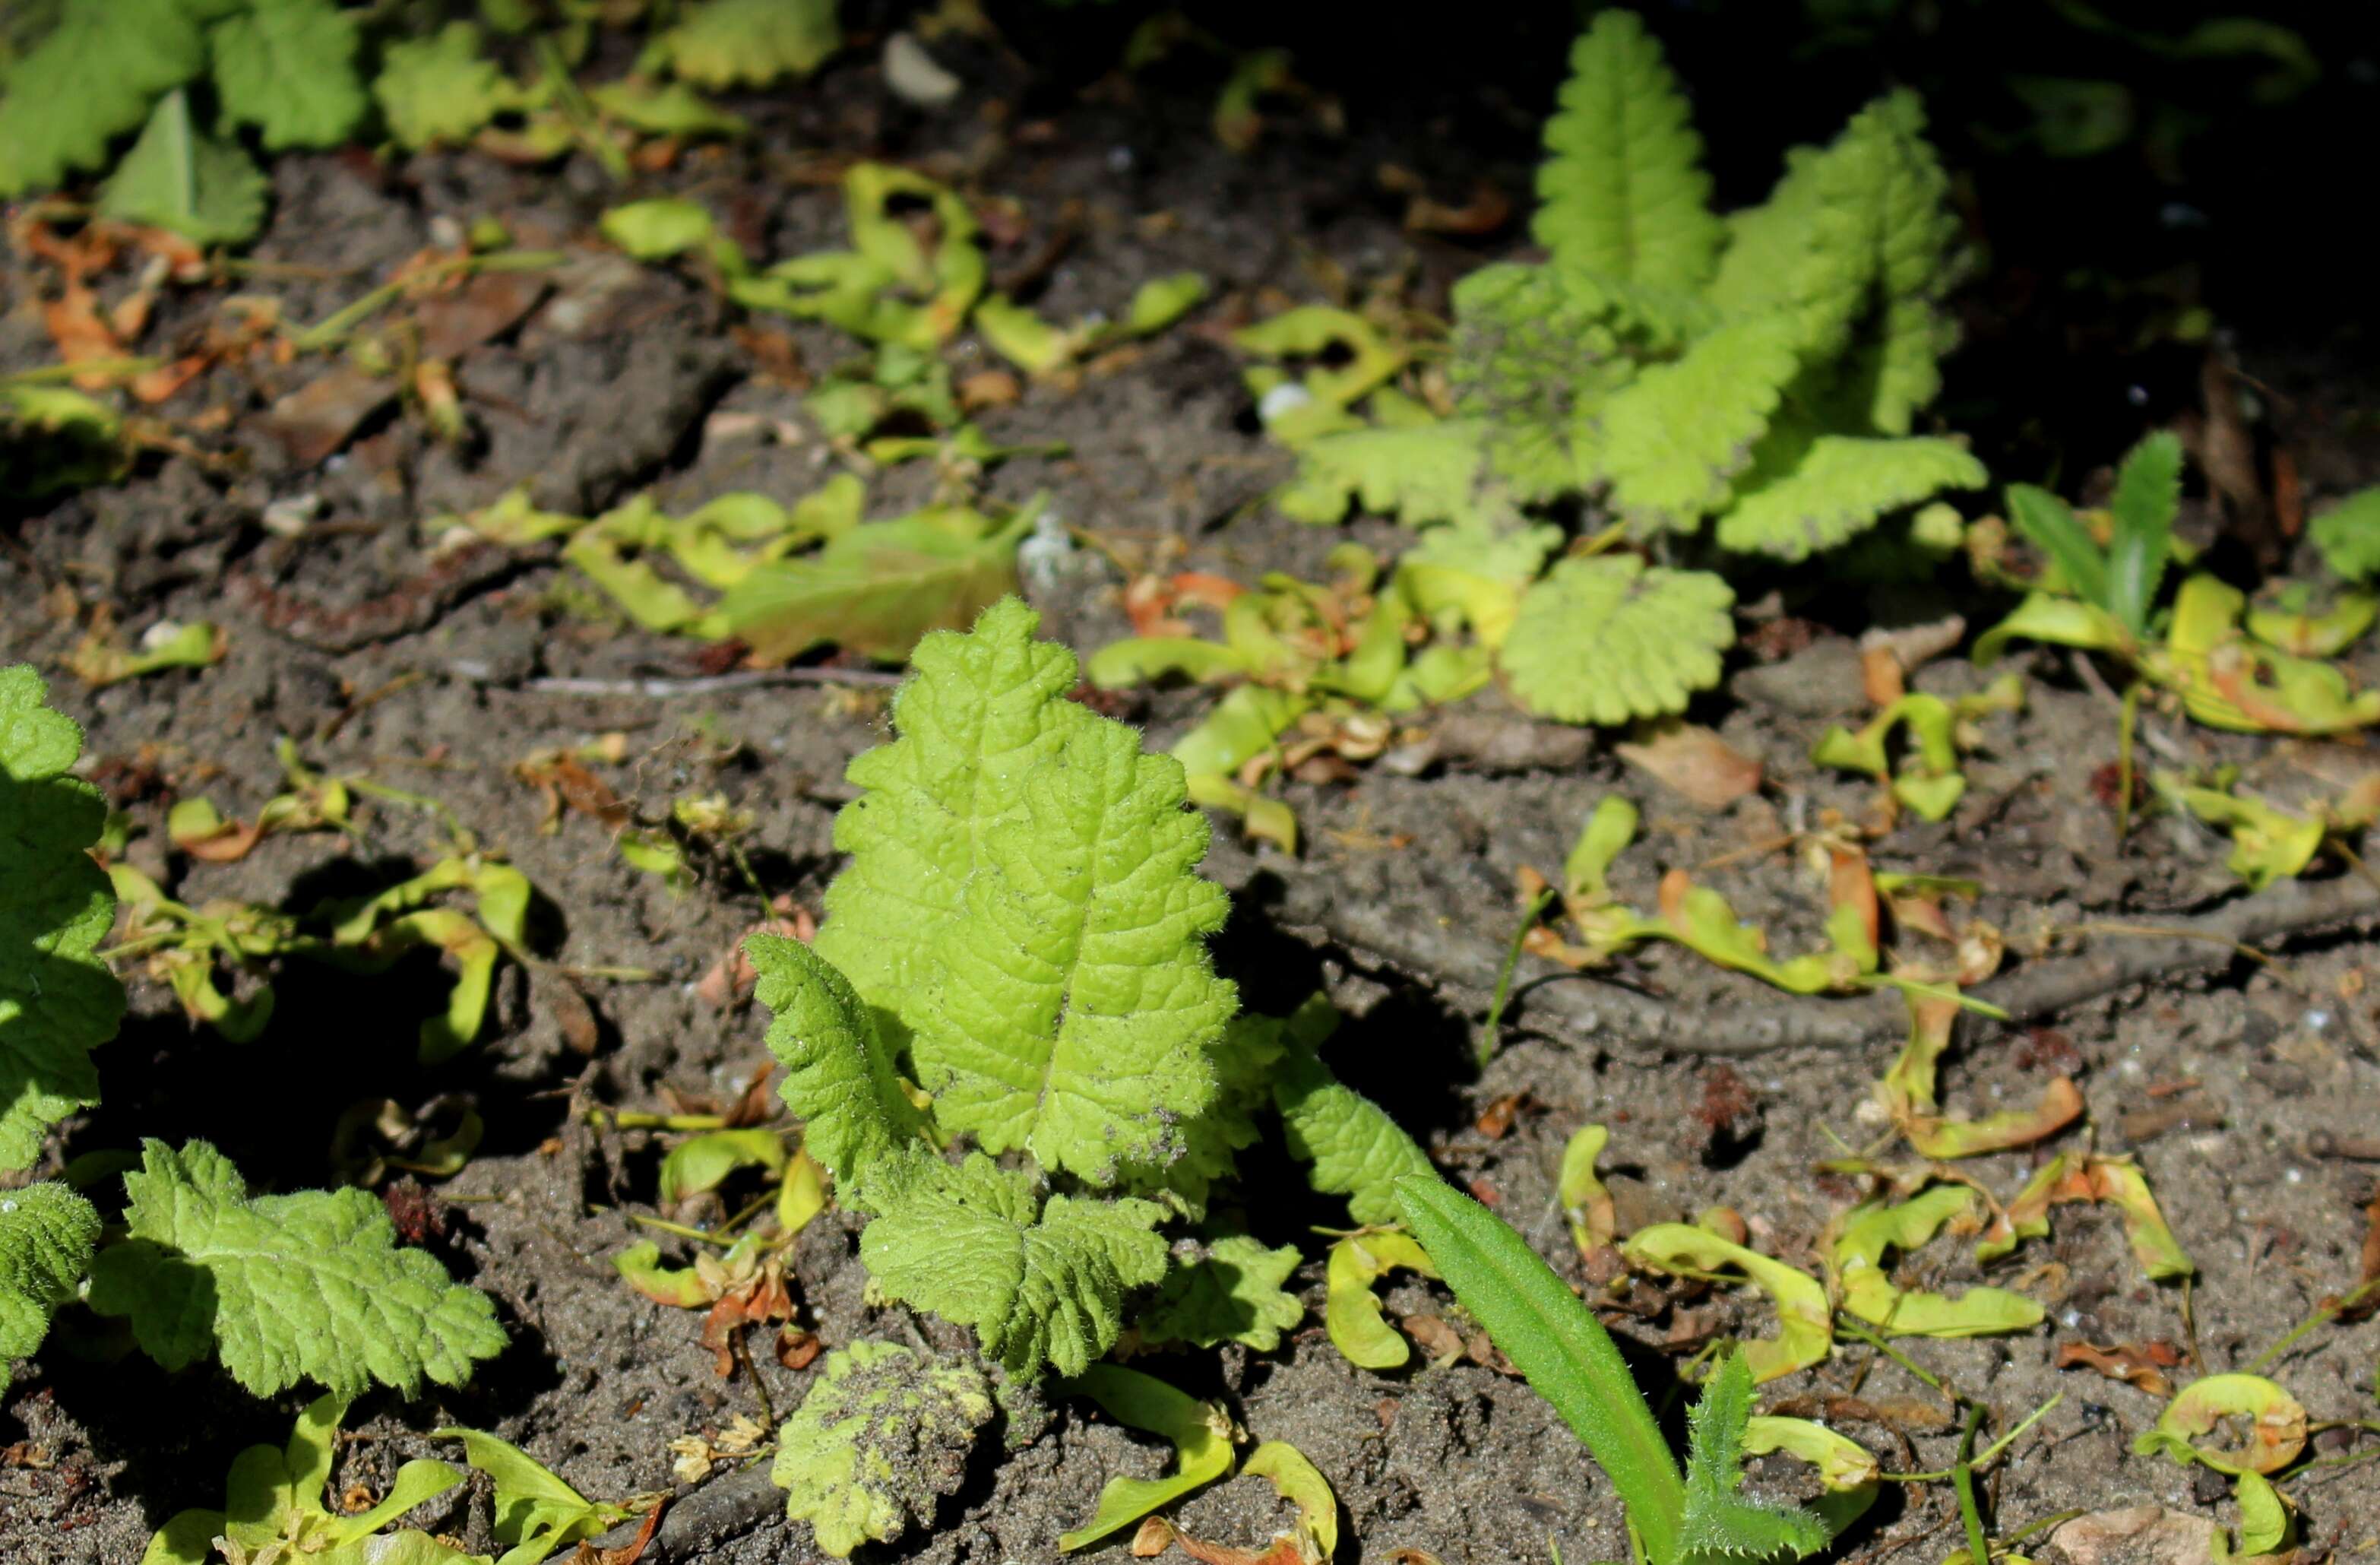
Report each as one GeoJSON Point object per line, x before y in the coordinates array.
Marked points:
{"type": "Point", "coordinates": [1690, 1517]}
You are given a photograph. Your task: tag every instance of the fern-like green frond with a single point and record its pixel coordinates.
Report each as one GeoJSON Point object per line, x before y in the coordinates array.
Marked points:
{"type": "Point", "coordinates": [285, 1288]}
{"type": "Point", "coordinates": [1720, 1524]}
{"type": "Point", "coordinates": [1420, 474]}
{"type": "Point", "coordinates": [1536, 352]}
{"type": "Point", "coordinates": [1623, 190]}
{"type": "Point", "coordinates": [1913, 231]}
{"type": "Point", "coordinates": [1804, 494]}
{"type": "Point", "coordinates": [1041, 1283]}
{"type": "Point", "coordinates": [1606, 640]}
{"type": "Point", "coordinates": [1674, 442]}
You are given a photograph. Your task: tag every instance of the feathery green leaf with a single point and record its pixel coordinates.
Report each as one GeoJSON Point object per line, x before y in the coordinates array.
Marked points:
{"type": "Point", "coordinates": [1607, 639]}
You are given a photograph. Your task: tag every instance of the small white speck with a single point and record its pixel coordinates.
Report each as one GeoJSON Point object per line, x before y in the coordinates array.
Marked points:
{"type": "Point", "coordinates": [1120, 159]}
{"type": "Point", "coordinates": [2294, 1175]}
{"type": "Point", "coordinates": [8, 1206]}
{"type": "Point", "coordinates": [1282, 399]}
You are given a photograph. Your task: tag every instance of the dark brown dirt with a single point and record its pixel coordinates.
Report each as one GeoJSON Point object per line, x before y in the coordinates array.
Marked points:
{"type": "Point", "coordinates": [378, 660]}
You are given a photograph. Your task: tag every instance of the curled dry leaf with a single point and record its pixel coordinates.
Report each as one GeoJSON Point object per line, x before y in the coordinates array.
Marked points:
{"type": "Point", "coordinates": [2141, 1365]}
{"type": "Point", "coordinates": [2140, 1534]}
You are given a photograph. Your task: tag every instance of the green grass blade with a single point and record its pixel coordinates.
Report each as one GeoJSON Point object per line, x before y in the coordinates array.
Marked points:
{"type": "Point", "coordinates": [1543, 1327]}
{"type": "Point", "coordinates": [2055, 529]}
{"type": "Point", "coordinates": [2148, 492]}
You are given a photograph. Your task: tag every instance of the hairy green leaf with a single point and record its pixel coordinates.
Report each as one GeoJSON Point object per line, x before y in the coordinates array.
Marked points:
{"type": "Point", "coordinates": [1357, 1151]}
{"type": "Point", "coordinates": [1041, 1282]}
{"type": "Point", "coordinates": [1429, 473]}
{"type": "Point", "coordinates": [883, 1433]}
{"type": "Point", "coordinates": [57, 999]}
{"type": "Point", "coordinates": [1022, 897]}
{"type": "Point", "coordinates": [1607, 639]}
{"type": "Point", "coordinates": [288, 67]}
{"type": "Point", "coordinates": [1623, 190]}
{"type": "Point", "coordinates": [1718, 1520]}
{"type": "Point", "coordinates": [1233, 1293]}
{"type": "Point", "coordinates": [46, 1234]}
{"type": "Point", "coordinates": [839, 1078]}
{"type": "Point", "coordinates": [285, 1288]}
{"type": "Point", "coordinates": [90, 79]}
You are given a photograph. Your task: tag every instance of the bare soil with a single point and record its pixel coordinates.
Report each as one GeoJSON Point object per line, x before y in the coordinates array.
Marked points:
{"type": "Point", "coordinates": [351, 639]}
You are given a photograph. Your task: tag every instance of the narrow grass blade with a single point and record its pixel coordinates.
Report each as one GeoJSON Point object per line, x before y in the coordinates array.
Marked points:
{"type": "Point", "coordinates": [2148, 492]}
{"type": "Point", "coordinates": [2054, 529]}
{"type": "Point", "coordinates": [1543, 1327]}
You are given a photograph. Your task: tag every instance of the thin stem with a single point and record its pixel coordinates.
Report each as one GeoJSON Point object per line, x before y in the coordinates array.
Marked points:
{"type": "Point", "coordinates": [1490, 1028]}
{"type": "Point", "coordinates": [1962, 1478]}
{"type": "Point", "coordinates": [2323, 1315]}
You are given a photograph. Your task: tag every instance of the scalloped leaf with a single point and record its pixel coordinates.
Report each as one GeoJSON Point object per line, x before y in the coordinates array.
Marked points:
{"type": "Point", "coordinates": [1718, 1520]}
{"type": "Point", "coordinates": [1420, 474]}
{"type": "Point", "coordinates": [883, 1435]}
{"type": "Point", "coordinates": [1233, 1293]}
{"type": "Point", "coordinates": [1024, 899]}
{"type": "Point", "coordinates": [1672, 442]}
{"type": "Point", "coordinates": [1607, 639]}
{"type": "Point", "coordinates": [1624, 191]}
{"type": "Point", "coordinates": [1808, 494]}
{"type": "Point", "coordinates": [285, 1288]}
{"type": "Point", "coordinates": [1357, 1151]}
{"type": "Point", "coordinates": [1041, 1283]}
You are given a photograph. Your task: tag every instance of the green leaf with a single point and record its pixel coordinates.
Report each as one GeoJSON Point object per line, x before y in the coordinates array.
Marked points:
{"type": "Point", "coordinates": [1674, 440]}
{"type": "Point", "coordinates": [839, 1077]}
{"type": "Point", "coordinates": [1357, 1151]}
{"type": "Point", "coordinates": [1201, 1434]}
{"type": "Point", "coordinates": [2273, 1423]}
{"type": "Point", "coordinates": [441, 87]}
{"type": "Point", "coordinates": [640, 1265]}
{"type": "Point", "coordinates": [274, 1500]}
{"type": "Point", "coordinates": [285, 1288]}
{"type": "Point", "coordinates": [665, 108]}
{"type": "Point", "coordinates": [1352, 1311]}
{"type": "Point", "coordinates": [535, 1512]}
{"type": "Point", "coordinates": [657, 229]}
{"type": "Point", "coordinates": [2348, 535]}
{"type": "Point", "coordinates": [2053, 528]}
{"type": "Point", "coordinates": [1041, 1282]}
{"type": "Point", "coordinates": [1298, 1481]}
{"type": "Point", "coordinates": [46, 1234]}
{"type": "Point", "coordinates": [1623, 190]}
{"type": "Point", "coordinates": [2148, 492]}
{"type": "Point", "coordinates": [1605, 640]}
{"type": "Point", "coordinates": [750, 42]}
{"type": "Point", "coordinates": [1434, 472]}
{"type": "Point", "coordinates": [2263, 1516]}
{"type": "Point", "coordinates": [174, 177]}
{"type": "Point", "coordinates": [1810, 493]}
{"type": "Point", "coordinates": [1233, 1293]}
{"type": "Point", "coordinates": [880, 587]}
{"type": "Point", "coordinates": [881, 1436]}
{"type": "Point", "coordinates": [53, 439]}
{"type": "Point", "coordinates": [1806, 1330]}
{"type": "Point", "coordinates": [1022, 896]}
{"type": "Point", "coordinates": [1869, 1233]}
{"type": "Point", "coordinates": [1717, 1518]}
{"type": "Point", "coordinates": [699, 1163]}
{"type": "Point", "coordinates": [91, 79]}
{"type": "Point", "coordinates": [288, 67]}
{"type": "Point", "coordinates": [1913, 231]}
{"type": "Point", "coordinates": [57, 999]}
{"type": "Point", "coordinates": [1555, 1341]}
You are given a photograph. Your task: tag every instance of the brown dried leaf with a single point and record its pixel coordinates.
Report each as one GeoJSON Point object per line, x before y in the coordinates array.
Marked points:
{"type": "Point", "coordinates": [1696, 764]}
{"type": "Point", "coordinates": [2141, 1365]}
